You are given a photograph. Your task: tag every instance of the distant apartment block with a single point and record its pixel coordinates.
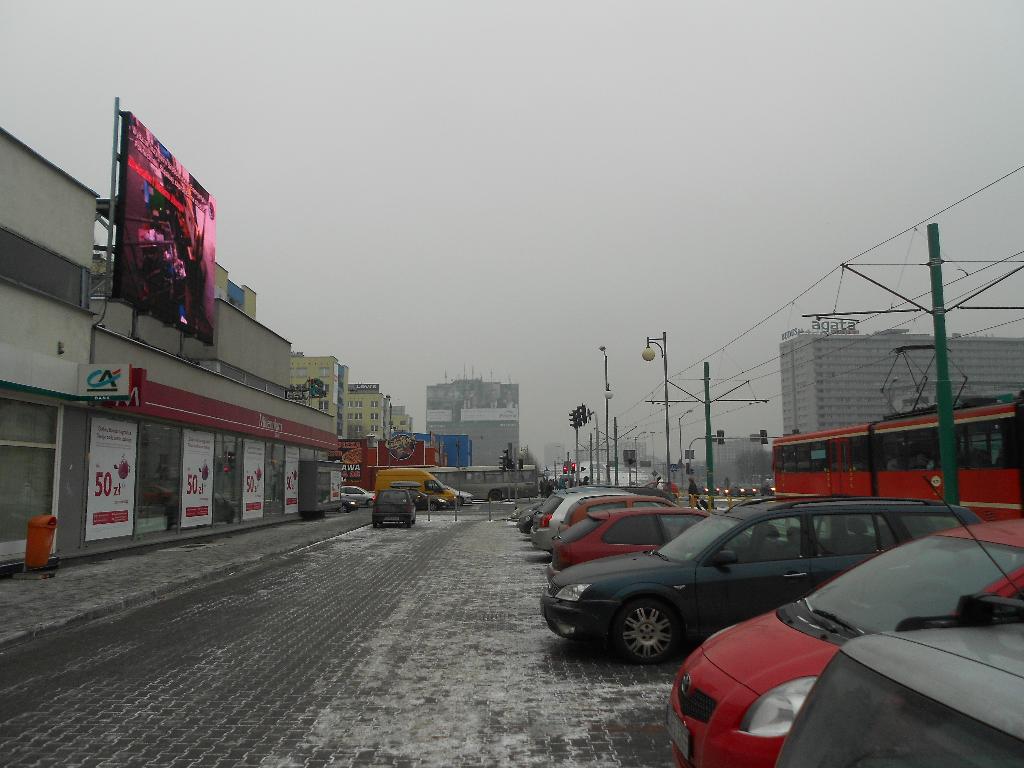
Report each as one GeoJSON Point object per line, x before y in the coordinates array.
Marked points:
{"type": "Point", "coordinates": [838, 379]}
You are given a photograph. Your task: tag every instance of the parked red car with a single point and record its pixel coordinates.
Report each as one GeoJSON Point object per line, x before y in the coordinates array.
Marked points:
{"type": "Point", "coordinates": [736, 696]}
{"type": "Point", "coordinates": [609, 532]}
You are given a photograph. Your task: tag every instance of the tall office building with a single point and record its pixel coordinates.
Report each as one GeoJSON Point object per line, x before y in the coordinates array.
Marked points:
{"type": "Point", "coordinates": [487, 411]}
{"type": "Point", "coordinates": [837, 379]}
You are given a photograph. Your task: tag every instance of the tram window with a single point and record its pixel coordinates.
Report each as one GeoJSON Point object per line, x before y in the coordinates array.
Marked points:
{"type": "Point", "coordinates": [907, 450]}
{"type": "Point", "coordinates": [890, 451]}
{"type": "Point", "coordinates": [921, 448]}
{"type": "Point", "coordinates": [777, 458]}
{"type": "Point", "coordinates": [986, 444]}
{"type": "Point", "coordinates": [803, 457]}
{"type": "Point", "coordinates": [859, 453]}
{"type": "Point", "coordinates": [818, 457]}
{"type": "Point", "coordinates": [789, 458]}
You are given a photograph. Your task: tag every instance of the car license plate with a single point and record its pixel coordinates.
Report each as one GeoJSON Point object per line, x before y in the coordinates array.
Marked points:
{"type": "Point", "coordinates": [678, 732]}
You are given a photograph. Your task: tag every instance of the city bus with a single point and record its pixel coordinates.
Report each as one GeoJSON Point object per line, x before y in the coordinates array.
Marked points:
{"type": "Point", "coordinates": [491, 483]}
{"type": "Point", "coordinates": [899, 457]}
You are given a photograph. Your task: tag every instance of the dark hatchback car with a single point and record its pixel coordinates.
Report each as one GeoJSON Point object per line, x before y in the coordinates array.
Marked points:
{"type": "Point", "coordinates": [730, 567]}
{"type": "Point", "coordinates": [394, 505]}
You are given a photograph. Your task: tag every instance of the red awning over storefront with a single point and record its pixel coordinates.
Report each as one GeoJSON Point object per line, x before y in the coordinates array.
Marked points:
{"type": "Point", "coordinates": [165, 402]}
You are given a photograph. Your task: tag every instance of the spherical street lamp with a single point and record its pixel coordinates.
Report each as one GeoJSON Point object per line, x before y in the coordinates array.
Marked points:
{"type": "Point", "coordinates": [648, 354]}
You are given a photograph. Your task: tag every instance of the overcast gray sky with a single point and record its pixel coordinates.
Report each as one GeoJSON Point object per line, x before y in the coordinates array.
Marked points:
{"type": "Point", "coordinates": [426, 187]}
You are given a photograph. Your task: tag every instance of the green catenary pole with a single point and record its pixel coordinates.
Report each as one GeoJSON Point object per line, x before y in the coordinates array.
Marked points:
{"type": "Point", "coordinates": [943, 388]}
{"type": "Point", "coordinates": [709, 453]}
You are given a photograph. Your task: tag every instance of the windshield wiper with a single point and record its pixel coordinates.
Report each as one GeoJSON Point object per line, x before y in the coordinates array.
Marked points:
{"type": "Point", "coordinates": [657, 553]}
{"type": "Point", "coordinates": [839, 622]}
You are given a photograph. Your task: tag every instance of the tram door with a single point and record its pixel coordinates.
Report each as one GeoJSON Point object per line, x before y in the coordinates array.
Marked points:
{"type": "Point", "coordinates": [841, 467]}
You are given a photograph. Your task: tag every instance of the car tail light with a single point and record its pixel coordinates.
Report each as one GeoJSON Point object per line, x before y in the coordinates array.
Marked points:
{"type": "Point", "coordinates": [544, 521]}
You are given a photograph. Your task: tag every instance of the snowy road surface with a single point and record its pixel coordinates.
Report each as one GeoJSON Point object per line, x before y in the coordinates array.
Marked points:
{"type": "Point", "coordinates": [395, 647]}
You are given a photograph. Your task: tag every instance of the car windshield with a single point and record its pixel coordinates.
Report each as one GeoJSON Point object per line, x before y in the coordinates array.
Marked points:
{"type": "Point", "coordinates": [887, 725]}
{"type": "Point", "coordinates": [696, 538]}
{"type": "Point", "coordinates": [551, 503]}
{"type": "Point", "coordinates": [924, 578]}
{"type": "Point", "coordinates": [393, 497]}
{"type": "Point", "coordinates": [581, 529]}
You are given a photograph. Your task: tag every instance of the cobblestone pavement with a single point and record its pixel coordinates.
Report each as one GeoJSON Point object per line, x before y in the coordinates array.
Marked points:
{"type": "Point", "coordinates": [395, 647]}
{"type": "Point", "coordinates": [88, 589]}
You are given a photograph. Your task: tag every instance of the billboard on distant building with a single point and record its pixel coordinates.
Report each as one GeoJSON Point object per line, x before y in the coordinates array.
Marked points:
{"type": "Point", "coordinates": [164, 260]}
{"type": "Point", "coordinates": [490, 414]}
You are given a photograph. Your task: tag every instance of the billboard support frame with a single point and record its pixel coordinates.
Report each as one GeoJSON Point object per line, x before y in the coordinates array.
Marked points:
{"type": "Point", "coordinates": [108, 277]}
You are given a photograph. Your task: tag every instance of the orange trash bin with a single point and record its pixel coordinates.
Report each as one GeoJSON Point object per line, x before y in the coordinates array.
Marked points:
{"type": "Point", "coordinates": [39, 541]}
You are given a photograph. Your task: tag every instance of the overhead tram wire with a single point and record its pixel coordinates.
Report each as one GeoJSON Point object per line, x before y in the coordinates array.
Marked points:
{"type": "Point", "coordinates": [824, 277]}
{"type": "Point", "coordinates": [880, 359]}
{"type": "Point", "coordinates": [875, 247]}
{"type": "Point", "coordinates": [989, 264]}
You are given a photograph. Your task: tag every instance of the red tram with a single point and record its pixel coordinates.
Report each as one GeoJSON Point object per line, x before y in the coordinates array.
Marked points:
{"type": "Point", "coordinates": [900, 457]}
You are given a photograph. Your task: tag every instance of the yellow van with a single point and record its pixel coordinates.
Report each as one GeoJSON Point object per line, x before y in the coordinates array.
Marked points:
{"type": "Point", "coordinates": [437, 494]}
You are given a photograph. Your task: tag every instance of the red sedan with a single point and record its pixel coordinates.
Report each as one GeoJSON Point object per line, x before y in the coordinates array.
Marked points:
{"type": "Point", "coordinates": [736, 696]}
{"type": "Point", "coordinates": [604, 533]}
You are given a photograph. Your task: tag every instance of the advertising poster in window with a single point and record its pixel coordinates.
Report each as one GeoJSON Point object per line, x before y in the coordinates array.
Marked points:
{"type": "Point", "coordinates": [196, 479]}
{"type": "Point", "coordinates": [291, 479]}
{"type": "Point", "coordinates": [110, 508]}
{"type": "Point", "coordinates": [336, 482]}
{"type": "Point", "coordinates": [252, 481]}
{"type": "Point", "coordinates": [165, 254]}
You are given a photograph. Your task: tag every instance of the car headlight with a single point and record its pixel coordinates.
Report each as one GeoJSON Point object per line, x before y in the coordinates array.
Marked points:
{"type": "Point", "coordinates": [774, 712]}
{"type": "Point", "coordinates": [571, 592]}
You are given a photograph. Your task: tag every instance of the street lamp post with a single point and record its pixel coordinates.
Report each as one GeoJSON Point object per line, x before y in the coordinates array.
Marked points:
{"type": "Point", "coordinates": [680, 423]}
{"type": "Point", "coordinates": [607, 400]}
{"type": "Point", "coordinates": [648, 355]}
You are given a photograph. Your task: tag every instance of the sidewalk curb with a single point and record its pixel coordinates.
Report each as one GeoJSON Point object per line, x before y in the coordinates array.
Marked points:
{"type": "Point", "coordinates": [188, 583]}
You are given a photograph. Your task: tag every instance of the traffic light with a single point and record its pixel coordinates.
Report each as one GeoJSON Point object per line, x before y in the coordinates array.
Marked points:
{"type": "Point", "coordinates": [565, 468]}
{"type": "Point", "coordinates": [506, 460]}
{"type": "Point", "coordinates": [764, 437]}
{"type": "Point", "coordinates": [720, 437]}
{"type": "Point", "coordinates": [573, 465]}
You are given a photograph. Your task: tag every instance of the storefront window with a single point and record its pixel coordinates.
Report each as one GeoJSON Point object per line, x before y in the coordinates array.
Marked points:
{"type": "Point", "coordinates": [159, 478]}
{"type": "Point", "coordinates": [273, 496]}
{"type": "Point", "coordinates": [28, 436]}
{"type": "Point", "coordinates": [227, 485]}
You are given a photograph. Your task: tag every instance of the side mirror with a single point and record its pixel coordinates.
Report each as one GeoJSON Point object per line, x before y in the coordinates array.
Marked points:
{"type": "Point", "coordinates": [723, 557]}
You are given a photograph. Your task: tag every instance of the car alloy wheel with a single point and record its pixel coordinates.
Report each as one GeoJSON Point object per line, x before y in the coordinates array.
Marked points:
{"type": "Point", "coordinates": [646, 631]}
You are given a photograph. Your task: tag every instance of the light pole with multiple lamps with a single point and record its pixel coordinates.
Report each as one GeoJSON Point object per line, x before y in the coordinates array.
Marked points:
{"type": "Point", "coordinates": [648, 355]}
{"type": "Point", "coordinates": [607, 399]}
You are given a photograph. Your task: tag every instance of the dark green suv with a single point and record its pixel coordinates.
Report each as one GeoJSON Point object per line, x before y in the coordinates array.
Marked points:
{"type": "Point", "coordinates": [730, 567]}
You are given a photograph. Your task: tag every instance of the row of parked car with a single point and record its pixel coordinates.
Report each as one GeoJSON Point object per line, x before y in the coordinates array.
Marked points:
{"type": "Point", "coordinates": [772, 591]}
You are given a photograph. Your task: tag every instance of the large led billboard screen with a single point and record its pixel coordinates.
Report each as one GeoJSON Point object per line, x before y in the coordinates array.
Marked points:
{"type": "Point", "coordinates": [165, 263]}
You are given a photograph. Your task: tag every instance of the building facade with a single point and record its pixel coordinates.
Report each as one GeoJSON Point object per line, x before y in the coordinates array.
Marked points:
{"type": "Point", "coordinates": [309, 372]}
{"type": "Point", "coordinates": [487, 411]}
{"type": "Point", "coordinates": [363, 409]}
{"type": "Point", "coordinates": [125, 430]}
{"type": "Point", "coordinates": [398, 419]}
{"type": "Point", "coordinates": [838, 379]}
